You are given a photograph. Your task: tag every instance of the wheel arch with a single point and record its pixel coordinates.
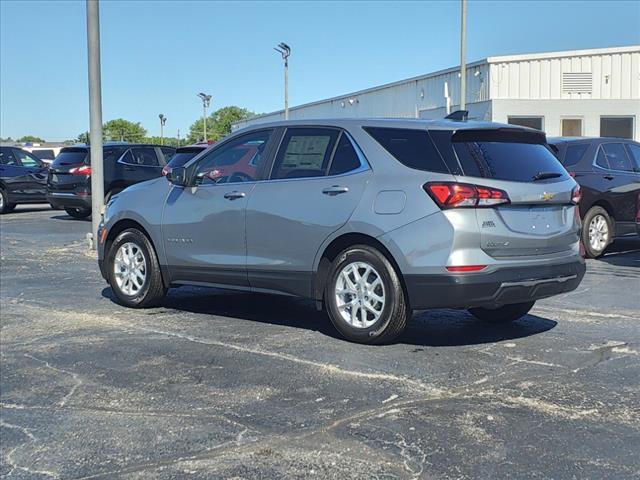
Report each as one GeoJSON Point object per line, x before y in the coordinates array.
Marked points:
{"type": "Point", "coordinates": [339, 244]}
{"type": "Point", "coordinates": [602, 203]}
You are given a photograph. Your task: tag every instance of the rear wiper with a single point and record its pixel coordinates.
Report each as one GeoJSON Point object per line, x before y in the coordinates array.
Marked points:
{"type": "Point", "coordinates": [545, 175]}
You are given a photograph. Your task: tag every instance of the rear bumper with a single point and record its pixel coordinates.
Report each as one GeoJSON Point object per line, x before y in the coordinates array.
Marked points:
{"type": "Point", "coordinates": [501, 287]}
{"type": "Point", "coordinates": [69, 199]}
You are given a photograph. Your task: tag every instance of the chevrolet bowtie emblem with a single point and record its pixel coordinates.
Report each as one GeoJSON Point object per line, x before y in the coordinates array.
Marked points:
{"type": "Point", "coordinates": [546, 196]}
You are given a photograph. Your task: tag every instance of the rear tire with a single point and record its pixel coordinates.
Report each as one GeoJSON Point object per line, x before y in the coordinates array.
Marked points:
{"type": "Point", "coordinates": [5, 206]}
{"type": "Point", "coordinates": [504, 314]}
{"type": "Point", "coordinates": [364, 297]}
{"type": "Point", "coordinates": [597, 231]}
{"type": "Point", "coordinates": [134, 271]}
{"type": "Point", "coordinates": [78, 212]}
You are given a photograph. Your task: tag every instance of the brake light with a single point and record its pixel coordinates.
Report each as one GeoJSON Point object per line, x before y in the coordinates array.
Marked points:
{"type": "Point", "coordinates": [466, 268]}
{"type": "Point", "coordinates": [576, 195]}
{"type": "Point", "coordinates": [457, 195]}
{"type": "Point", "coordinates": [84, 170]}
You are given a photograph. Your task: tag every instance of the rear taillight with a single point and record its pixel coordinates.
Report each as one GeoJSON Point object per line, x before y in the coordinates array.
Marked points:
{"type": "Point", "coordinates": [466, 268]}
{"type": "Point", "coordinates": [576, 195]}
{"type": "Point", "coordinates": [84, 170]}
{"type": "Point", "coordinates": [459, 195]}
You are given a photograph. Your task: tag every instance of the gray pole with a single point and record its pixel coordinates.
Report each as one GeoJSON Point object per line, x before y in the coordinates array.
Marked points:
{"type": "Point", "coordinates": [286, 88]}
{"type": "Point", "coordinates": [95, 114]}
{"type": "Point", "coordinates": [463, 47]}
{"type": "Point", "coordinates": [204, 118]}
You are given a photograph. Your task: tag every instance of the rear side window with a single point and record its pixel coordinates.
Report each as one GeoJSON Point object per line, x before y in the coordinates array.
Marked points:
{"type": "Point", "coordinates": [601, 159]}
{"type": "Point", "coordinates": [617, 157]}
{"type": "Point", "coordinates": [44, 154]}
{"type": "Point", "coordinates": [345, 158]}
{"type": "Point", "coordinates": [71, 156]}
{"type": "Point", "coordinates": [634, 154]}
{"type": "Point", "coordinates": [515, 156]}
{"type": "Point", "coordinates": [7, 158]}
{"type": "Point", "coordinates": [413, 148]}
{"type": "Point", "coordinates": [574, 154]}
{"type": "Point", "coordinates": [305, 152]}
{"type": "Point", "coordinates": [141, 156]}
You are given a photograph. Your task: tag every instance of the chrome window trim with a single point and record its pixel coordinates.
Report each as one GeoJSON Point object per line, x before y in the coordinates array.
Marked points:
{"type": "Point", "coordinates": [122, 162]}
{"type": "Point", "coordinates": [595, 158]}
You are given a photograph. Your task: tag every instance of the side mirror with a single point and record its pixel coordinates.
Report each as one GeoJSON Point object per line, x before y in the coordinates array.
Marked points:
{"type": "Point", "coordinates": [177, 176]}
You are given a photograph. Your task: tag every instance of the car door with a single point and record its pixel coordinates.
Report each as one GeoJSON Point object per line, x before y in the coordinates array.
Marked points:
{"type": "Point", "coordinates": [316, 182]}
{"type": "Point", "coordinates": [203, 225]}
{"type": "Point", "coordinates": [138, 164]}
{"type": "Point", "coordinates": [618, 179]}
{"type": "Point", "coordinates": [31, 183]}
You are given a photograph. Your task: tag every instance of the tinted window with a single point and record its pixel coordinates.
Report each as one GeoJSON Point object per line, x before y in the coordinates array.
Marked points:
{"type": "Point", "coordinates": [601, 160]}
{"type": "Point", "coordinates": [26, 159]}
{"type": "Point", "coordinates": [7, 158]}
{"type": "Point", "coordinates": [183, 156]}
{"type": "Point", "coordinates": [345, 157]}
{"type": "Point", "coordinates": [574, 154]}
{"type": "Point", "coordinates": [617, 157]}
{"type": "Point", "coordinates": [44, 154]}
{"type": "Point", "coordinates": [620, 127]}
{"type": "Point", "coordinates": [305, 152]}
{"type": "Point", "coordinates": [142, 156]}
{"type": "Point", "coordinates": [70, 156]}
{"type": "Point", "coordinates": [413, 148]}
{"type": "Point", "coordinates": [236, 161]}
{"type": "Point", "coordinates": [634, 154]}
{"type": "Point", "coordinates": [168, 153]}
{"type": "Point", "coordinates": [512, 156]}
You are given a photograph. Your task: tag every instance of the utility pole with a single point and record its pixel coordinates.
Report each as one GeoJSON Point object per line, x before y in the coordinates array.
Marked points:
{"type": "Point", "coordinates": [285, 51]}
{"type": "Point", "coordinates": [95, 114]}
{"type": "Point", "coordinates": [463, 48]}
{"type": "Point", "coordinates": [163, 120]}
{"type": "Point", "coordinates": [206, 101]}
{"type": "Point", "coordinates": [178, 137]}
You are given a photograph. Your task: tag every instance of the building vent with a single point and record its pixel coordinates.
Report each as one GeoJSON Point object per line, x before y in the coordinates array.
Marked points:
{"type": "Point", "coordinates": [577, 82]}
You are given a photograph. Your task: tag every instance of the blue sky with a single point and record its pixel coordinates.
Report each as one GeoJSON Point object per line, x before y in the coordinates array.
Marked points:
{"type": "Point", "coordinates": [156, 55]}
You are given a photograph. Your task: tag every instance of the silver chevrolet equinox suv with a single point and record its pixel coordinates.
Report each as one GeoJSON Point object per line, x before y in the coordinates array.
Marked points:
{"type": "Point", "coordinates": [371, 219]}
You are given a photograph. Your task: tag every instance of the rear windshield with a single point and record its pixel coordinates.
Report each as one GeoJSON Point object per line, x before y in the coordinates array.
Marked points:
{"type": "Point", "coordinates": [516, 156]}
{"type": "Point", "coordinates": [44, 154]}
{"type": "Point", "coordinates": [183, 156]}
{"type": "Point", "coordinates": [70, 156]}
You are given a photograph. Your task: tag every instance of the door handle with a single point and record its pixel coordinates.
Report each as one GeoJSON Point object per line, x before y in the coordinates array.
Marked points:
{"type": "Point", "coordinates": [335, 190]}
{"type": "Point", "coordinates": [608, 177]}
{"type": "Point", "coordinates": [234, 195]}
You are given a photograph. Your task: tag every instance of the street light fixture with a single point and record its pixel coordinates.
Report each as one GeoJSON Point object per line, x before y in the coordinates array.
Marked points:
{"type": "Point", "coordinates": [163, 120]}
{"type": "Point", "coordinates": [206, 101]}
{"type": "Point", "coordinates": [285, 51]}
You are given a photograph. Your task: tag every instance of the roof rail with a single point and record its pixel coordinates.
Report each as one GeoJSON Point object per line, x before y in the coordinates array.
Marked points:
{"type": "Point", "coordinates": [458, 115]}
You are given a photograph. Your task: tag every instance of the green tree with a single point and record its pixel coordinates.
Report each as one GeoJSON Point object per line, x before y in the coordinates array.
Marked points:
{"type": "Point", "coordinates": [121, 129]}
{"type": "Point", "coordinates": [218, 123]}
{"type": "Point", "coordinates": [30, 138]}
{"type": "Point", "coordinates": [168, 141]}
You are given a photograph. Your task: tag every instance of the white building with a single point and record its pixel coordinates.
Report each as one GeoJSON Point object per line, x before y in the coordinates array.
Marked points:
{"type": "Point", "coordinates": [574, 93]}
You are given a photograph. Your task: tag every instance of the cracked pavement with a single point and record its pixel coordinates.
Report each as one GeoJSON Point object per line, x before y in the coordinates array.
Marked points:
{"type": "Point", "coordinates": [218, 384]}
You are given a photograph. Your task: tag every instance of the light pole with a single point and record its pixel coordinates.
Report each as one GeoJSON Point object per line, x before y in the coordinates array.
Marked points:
{"type": "Point", "coordinates": [206, 101]}
{"type": "Point", "coordinates": [163, 120]}
{"type": "Point", "coordinates": [463, 47]}
{"type": "Point", "coordinates": [285, 51]}
{"type": "Point", "coordinates": [95, 116]}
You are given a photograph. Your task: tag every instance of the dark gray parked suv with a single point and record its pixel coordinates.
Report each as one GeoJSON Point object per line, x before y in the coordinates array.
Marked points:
{"type": "Point", "coordinates": [370, 218]}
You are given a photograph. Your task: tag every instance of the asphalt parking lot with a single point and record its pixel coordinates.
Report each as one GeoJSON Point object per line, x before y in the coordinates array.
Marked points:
{"type": "Point", "coordinates": [216, 384]}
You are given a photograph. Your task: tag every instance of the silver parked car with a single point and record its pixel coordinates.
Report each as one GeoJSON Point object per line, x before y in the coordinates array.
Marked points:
{"type": "Point", "coordinates": [371, 219]}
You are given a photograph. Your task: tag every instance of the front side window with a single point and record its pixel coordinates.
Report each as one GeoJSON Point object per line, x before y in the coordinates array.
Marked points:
{"type": "Point", "coordinates": [7, 158]}
{"type": "Point", "coordinates": [26, 159]}
{"type": "Point", "coordinates": [617, 157]}
{"type": "Point", "coordinates": [236, 161]}
{"type": "Point", "coordinates": [144, 156]}
{"type": "Point", "coordinates": [575, 153]}
{"type": "Point", "coordinates": [305, 152]}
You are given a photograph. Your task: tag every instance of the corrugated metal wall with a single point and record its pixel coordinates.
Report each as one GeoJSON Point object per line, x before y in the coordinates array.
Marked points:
{"type": "Point", "coordinates": [613, 76]}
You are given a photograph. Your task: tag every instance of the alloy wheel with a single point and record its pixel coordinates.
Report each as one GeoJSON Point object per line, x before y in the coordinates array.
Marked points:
{"type": "Point", "coordinates": [598, 233]}
{"type": "Point", "coordinates": [360, 294]}
{"type": "Point", "coordinates": [130, 268]}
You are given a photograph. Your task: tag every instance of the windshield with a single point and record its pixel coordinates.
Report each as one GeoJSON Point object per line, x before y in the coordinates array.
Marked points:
{"type": "Point", "coordinates": [71, 156]}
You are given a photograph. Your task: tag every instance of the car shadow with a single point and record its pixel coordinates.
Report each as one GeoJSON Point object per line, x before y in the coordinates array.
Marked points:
{"type": "Point", "coordinates": [623, 252]}
{"type": "Point", "coordinates": [28, 208]}
{"type": "Point", "coordinates": [433, 328]}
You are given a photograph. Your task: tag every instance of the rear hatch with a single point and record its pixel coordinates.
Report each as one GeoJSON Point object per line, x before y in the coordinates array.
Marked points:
{"type": "Point", "coordinates": [69, 160]}
{"type": "Point", "coordinates": [540, 217]}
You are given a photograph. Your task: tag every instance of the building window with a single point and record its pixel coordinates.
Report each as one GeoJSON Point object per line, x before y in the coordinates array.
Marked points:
{"type": "Point", "coordinates": [619, 127]}
{"type": "Point", "coordinates": [531, 122]}
{"type": "Point", "coordinates": [571, 127]}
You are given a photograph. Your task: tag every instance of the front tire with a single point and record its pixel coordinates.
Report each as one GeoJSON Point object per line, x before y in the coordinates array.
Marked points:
{"type": "Point", "coordinates": [364, 297]}
{"type": "Point", "coordinates": [134, 271]}
{"type": "Point", "coordinates": [504, 314]}
{"type": "Point", "coordinates": [597, 231]}
{"type": "Point", "coordinates": [78, 212]}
